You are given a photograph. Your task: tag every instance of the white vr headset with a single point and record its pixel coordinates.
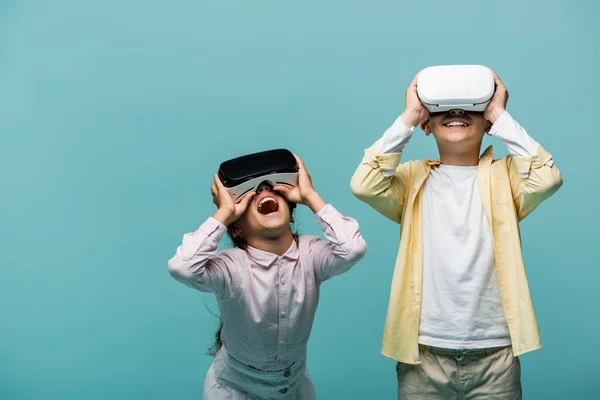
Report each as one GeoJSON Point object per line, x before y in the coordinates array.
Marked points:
{"type": "Point", "coordinates": [244, 174]}
{"type": "Point", "coordinates": [447, 87]}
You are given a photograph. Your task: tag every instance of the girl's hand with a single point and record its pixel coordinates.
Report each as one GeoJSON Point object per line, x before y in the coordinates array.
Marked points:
{"type": "Point", "coordinates": [304, 192]}
{"type": "Point", "coordinates": [228, 210]}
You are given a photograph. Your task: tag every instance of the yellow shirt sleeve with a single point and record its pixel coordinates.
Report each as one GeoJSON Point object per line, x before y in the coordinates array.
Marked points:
{"type": "Point", "coordinates": [386, 194]}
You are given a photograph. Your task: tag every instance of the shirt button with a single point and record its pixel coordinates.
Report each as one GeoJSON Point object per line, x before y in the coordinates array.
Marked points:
{"type": "Point", "coordinates": [282, 341]}
{"type": "Point", "coordinates": [283, 314]}
{"type": "Point", "coordinates": [284, 390]}
{"type": "Point", "coordinates": [283, 281]}
{"type": "Point", "coordinates": [287, 373]}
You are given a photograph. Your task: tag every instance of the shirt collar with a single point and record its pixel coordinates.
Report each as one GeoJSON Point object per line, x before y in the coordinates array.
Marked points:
{"type": "Point", "coordinates": [488, 153]}
{"type": "Point", "coordinates": [265, 259]}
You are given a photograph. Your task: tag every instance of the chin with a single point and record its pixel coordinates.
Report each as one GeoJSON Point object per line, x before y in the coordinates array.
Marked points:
{"type": "Point", "coordinates": [274, 224]}
{"type": "Point", "coordinates": [275, 232]}
{"type": "Point", "coordinates": [457, 136]}
{"type": "Point", "coordinates": [278, 225]}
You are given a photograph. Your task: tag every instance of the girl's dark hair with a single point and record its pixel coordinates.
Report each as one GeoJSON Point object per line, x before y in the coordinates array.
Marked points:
{"type": "Point", "coordinates": [218, 343]}
{"type": "Point", "coordinates": [240, 243]}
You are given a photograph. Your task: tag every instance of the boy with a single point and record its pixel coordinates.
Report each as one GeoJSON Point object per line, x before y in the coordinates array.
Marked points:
{"type": "Point", "coordinates": [460, 311]}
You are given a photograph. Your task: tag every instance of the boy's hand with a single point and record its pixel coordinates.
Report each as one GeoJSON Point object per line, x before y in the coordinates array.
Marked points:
{"type": "Point", "coordinates": [497, 104]}
{"type": "Point", "coordinates": [304, 192]}
{"type": "Point", "coordinates": [414, 112]}
{"type": "Point", "coordinates": [228, 210]}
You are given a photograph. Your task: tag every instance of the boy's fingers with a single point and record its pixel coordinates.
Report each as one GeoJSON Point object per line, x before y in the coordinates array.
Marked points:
{"type": "Point", "coordinates": [413, 83]}
{"type": "Point", "coordinates": [497, 80]}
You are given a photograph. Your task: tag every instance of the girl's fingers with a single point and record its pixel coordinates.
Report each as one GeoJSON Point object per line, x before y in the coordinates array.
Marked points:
{"type": "Point", "coordinates": [299, 161]}
{"type": "Point", "coordinates": [246, 199]}
{"type": "Point", "coordinates": [285, 191]}
{"type": "Point", "coordinates": [218, 182]}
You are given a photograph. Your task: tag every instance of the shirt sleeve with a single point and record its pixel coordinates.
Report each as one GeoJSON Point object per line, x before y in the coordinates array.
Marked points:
{"type": "Point", "coordinates": [343, 248]}
{"type": "Point", "coordinates": [514, 137]}
{"type": "Point", "coordinates": [384, 193]}
{"type": "Point", "coordinates": [197, 264]}
{"type": "Point", "coordinates": [394, 139]}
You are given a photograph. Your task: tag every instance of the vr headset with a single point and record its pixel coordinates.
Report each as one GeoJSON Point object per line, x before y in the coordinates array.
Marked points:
{"type": "Point", "coordinates": [244, 174]}
{"type": "Point", "coordinates": [447, 87]}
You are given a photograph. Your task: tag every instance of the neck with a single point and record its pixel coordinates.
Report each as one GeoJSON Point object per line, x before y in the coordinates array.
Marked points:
{"type": "Point", "coordinates": [458, 154]}
{"type": "Point", "coordinates": [276, 245]}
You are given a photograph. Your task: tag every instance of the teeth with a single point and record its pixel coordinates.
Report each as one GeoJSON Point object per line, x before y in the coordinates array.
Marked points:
{"type": "Point", "coordinates": [265, 200]}
{"type": "Point", "coordinates": [456, 124]}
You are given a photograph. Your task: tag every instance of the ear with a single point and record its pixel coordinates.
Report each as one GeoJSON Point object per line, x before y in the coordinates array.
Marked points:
{"type": "Point", "coordinates": [488, 127]}
{"type": "Point", "coordinates": [426, 126]}
{"type": "Point", "coordinates": [236, 231]}
{"type": "Point", "coordinates": [291, 207]}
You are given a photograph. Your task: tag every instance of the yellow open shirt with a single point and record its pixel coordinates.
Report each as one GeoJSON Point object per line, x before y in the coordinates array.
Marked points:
{"type": "Point", "coordinates": [507, 198]}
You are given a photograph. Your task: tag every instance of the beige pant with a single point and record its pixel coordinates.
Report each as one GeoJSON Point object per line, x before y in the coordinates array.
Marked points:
{"type": "Point", "coordinates": [490, 374]}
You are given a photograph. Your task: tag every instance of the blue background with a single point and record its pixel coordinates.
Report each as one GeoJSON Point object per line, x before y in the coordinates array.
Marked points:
{"type": "Point", "coordinates": [115, 114]}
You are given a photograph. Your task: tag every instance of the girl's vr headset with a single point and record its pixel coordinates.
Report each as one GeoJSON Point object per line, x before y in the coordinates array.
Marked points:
{"type": "Point", "coordinates": [244, 174]}
{"type": "Point", "coordinates": [447, 87]}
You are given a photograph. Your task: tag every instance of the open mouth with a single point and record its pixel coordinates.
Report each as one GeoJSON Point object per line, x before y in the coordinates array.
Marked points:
{"type": "Point", "coordinates": [268, 205]}
{"type": "Point", "coordinates": [456, 124]}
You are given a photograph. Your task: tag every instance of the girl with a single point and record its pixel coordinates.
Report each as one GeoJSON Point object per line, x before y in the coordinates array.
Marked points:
{"type": "Point", "coordinates": [267, 286]}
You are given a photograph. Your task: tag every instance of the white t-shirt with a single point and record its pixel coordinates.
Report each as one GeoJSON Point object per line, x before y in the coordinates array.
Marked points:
{"type": "Point", "coordinates": [462, 307]}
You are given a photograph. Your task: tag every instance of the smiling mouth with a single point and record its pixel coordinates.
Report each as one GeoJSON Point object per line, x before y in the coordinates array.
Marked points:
{"type": "Point", "coordinates": [456, 124]}
{"type": "Point", "coordinates": [268, 205]}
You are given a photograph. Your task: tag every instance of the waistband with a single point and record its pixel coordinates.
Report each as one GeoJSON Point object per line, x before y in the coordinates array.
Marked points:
{"type": "Point", "coordinates": [264, 384]}
{"type": "Point", "coordinates": [459, 353]}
